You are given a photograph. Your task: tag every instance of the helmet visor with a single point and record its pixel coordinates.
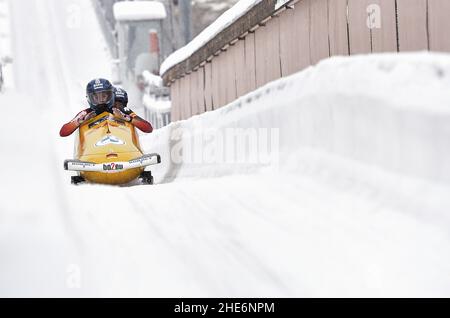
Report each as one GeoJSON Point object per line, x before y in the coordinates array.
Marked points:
{"type": "Point", "coordinates": [101, 97]}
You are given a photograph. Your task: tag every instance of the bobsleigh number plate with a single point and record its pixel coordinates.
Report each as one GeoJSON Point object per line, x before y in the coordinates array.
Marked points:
{"type": "Point", "coordinates": [112, 167]}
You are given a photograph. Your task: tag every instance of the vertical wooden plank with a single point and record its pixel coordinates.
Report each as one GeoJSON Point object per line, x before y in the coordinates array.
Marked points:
{"type": "Point", "coordinates": [412, 25]}
{"type": "Point", "coordinates": [184, 98]}
{"type": "Point", "coordinates": [181, 98]}
{"type": "Point", "coordinates": [267, 51]}
{"type": "Point", "coordinates": [215, 82]}
{"type": "Point", "coordinates": [319, 44]}
{"type": "Point", "coordinates": [289, 45]}
{"type": "Point", "coordinates": [384, 25]}
{"type": "Point", "coordinates": [439, 25]}
{"type": "Point", "coordinates": [239, 61]}
{"type": "Point", "coordinates": [189, 97]}
{"type": "Point", "coordinates": [274, 64]}
{"type": "Point", "coordinates": [174, 101]}
{"type": "Point", "coordinates": [230, 75]}
{"type": "Point", "coordinates": [250, 63]}
{"type": "Point", "coordinates": [193, 92]}
{"type": "Point", "coordinates": [337, 27]}
{"type": "Point", "coordinates": [197, 93]}
{"type": "Point", "coordinates": [294, 38]}
{"type": "Point", "coordinates": [359, 32]}
{"type": "Point", "coordinates": [178, 100]}
{"type": "Point", "coordinates": [201, 90]}
{"type": "Point", "coordinates": [208, 87]}
{"type": "Point", "coordinates": [302, 29]}
{"type": "Point", "coordinates": [221, 59]}
{"type": "Point", "coordinates": [193, 87]}
{"type": "Point", "coordinates": [233, 70]}
{"type": "Point", "coordinates": [260, 55]}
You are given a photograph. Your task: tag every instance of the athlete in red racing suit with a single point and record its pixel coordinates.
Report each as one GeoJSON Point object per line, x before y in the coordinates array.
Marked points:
{"type": "Point", "coordinates": [119, 110]}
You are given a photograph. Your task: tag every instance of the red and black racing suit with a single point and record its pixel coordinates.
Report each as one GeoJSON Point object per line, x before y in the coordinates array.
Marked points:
{"type": "Point", "coordinates": [118, 110]}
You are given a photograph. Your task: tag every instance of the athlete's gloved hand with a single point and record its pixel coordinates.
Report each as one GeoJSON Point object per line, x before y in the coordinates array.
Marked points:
{"type": "Point", "coordinates": [119, 114]}
{"type": "Point", "coordinates": [74, 124]}
{"type": "Point", "coordinates": [84, 116]}
{"type": "Point", "coordinates": [90, 116]}
{"type": "Point", "coordinates": [80, 117]}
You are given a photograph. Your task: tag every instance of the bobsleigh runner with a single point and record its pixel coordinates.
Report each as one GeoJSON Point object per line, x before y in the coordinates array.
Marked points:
{"type": "Point", "coordinates": [107, 151]}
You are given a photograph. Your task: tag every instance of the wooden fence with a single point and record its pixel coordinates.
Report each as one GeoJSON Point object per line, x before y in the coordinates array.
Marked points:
{"type": "Point", "coordinates": [296, 36]}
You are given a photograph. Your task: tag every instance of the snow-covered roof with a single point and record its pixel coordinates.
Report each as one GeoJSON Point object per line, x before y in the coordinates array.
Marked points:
{"type": "Point", "coordinates": [152, 79]}
{"type": "Point", "coordinates": [139, 10]}
{"type": "Point", "coordinates": [224, 21]}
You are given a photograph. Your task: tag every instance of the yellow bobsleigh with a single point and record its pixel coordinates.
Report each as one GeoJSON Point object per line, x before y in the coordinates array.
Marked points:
{"type": "Point", "coordinates": [107, 151]}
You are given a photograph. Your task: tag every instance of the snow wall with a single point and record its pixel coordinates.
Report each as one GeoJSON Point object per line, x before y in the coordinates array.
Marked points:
{"type": "Point", "coordinates": [387, 110]}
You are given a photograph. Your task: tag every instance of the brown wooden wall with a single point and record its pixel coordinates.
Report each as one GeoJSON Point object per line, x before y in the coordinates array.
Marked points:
{"type": "Point", "coordinates": [302, 36]}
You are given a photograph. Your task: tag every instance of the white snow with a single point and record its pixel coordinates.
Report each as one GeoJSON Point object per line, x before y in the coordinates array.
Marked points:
{"type": "Point", "coordinates": [355, 204]}
{"type": "Point", "coordinates": [6, 53]}
{"type": "Point", "coordinates": [378, 109]}
{"type": "Point", "coordinates": [225, 20]}
{"type": "Point", "coordinates": [157, 105]}
{"type": "Point", "coordinates": [152, 79]}
{"type": "Point", "coordinates": [139, 10]}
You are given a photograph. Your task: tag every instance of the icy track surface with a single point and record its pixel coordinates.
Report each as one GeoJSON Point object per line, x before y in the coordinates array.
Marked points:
{"type": "Point", "coordinates": [327, 222]}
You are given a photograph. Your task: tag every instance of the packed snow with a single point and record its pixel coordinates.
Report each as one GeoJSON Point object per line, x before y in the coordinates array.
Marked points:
{"type": "Point", "coordinates": [351, 200]}
{"type": "Point", "coordinates": [224, 21]}
{"type": "Point", "coordinates": [139, 10]}
{"type": "Point", "coordinates": [5, 45]}
{"type": "Point", "coordinates": [388, 110]}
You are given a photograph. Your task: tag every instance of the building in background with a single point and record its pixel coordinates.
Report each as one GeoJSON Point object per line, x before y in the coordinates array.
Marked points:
{"type": "Point", "coordinates": [138, 26]}
{"type": "Point", "coordinates": [140, 37]}
{"type": "Point", "coordinates": [176, 28]}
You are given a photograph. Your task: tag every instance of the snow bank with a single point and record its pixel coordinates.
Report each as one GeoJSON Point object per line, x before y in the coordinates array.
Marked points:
{"type": "Point", "coordinates": [5, 30]}
{"type": "Point", "coordinates": [139, 10]}
{"type": "Point", "coordinates": [389, 110]}
{"type": "Point", "coordinates": [225, 20]}
{"type": "Point", "coordinates": [6, 53]}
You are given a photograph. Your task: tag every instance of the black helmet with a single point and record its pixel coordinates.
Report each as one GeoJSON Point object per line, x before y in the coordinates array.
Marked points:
{"type": "Point", "coordinates": [100, 92]}
{"type": "Point", "coordinates": [120, 95]}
